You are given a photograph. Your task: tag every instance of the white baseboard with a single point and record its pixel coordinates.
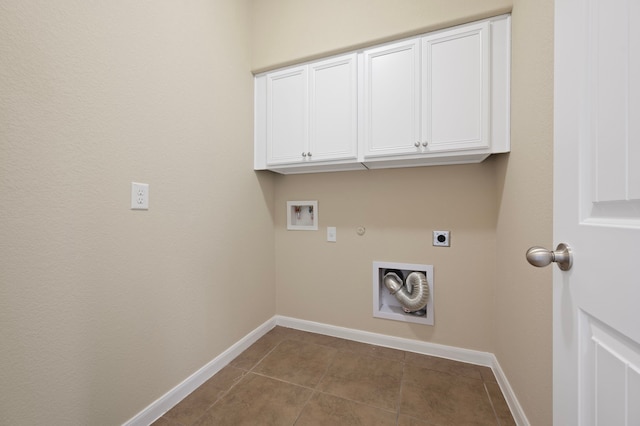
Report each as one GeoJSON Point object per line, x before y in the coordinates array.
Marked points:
{"type": "Point", "coordinates": [426, 348]}
{"type": "Point", "coordinates": [175, 395]}
{"type": "Point", "coordinates": [167, 401]}
{"type": "Point", "coordinates": [516, 409]}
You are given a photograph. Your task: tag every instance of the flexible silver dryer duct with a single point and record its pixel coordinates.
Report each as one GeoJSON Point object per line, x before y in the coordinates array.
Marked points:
{"type": "Point", "coordinates": [414, 295]}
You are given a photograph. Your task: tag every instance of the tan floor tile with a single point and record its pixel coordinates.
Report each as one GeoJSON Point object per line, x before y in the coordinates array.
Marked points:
{"type": "Point", "coordinates": [284, 332]}
{"type": "Point", "coordinates": [326, 409]}
{"type": "Point", "coordinates": [164, 422]}
{"type": "Point", "coordinates": [305, 336]}
{"type": "Point", "coordinates": [487, 374]}
{"type": "Point", "coordinates": [445, 399]}
{"type": "Point", "coordinates": [355, 383]}
{"type": "Point", "coordinates": [444, 365]}
{"type": "Point", "coordinates": [500, 405]}
{"type": "Point", "coordinates": [254, 353]}
{"type": "Point", "coordinates": [404, 420]}
{"type": "Point", "coordinates": [258, 400]}
{"type": "Point", "coordinates": [370, 350]}
{"type": "Point", "coordinates": [195, 404]}
{"type": "Point", "coordinates": [297, 362]}
{"type": "Point", "coordinates": [373, 381]}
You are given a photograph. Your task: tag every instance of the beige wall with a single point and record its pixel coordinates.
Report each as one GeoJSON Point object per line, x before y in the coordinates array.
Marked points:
{"type": "Point", "coordinates": [486, 295]}
{"type": "Point", "coordinates": [524, 293]}
{"type": "Point", "coordinates": [286, 31]}
{"type": "Point", "coordinates": [103, 309]}
{"type": "Point", "coordinates": [332, 283]}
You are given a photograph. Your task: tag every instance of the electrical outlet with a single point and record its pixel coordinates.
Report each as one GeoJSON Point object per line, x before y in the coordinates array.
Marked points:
{"type": "Point", "coordinates": [139, 196]}
{"type": "Point", "coordinates": [441, 239]}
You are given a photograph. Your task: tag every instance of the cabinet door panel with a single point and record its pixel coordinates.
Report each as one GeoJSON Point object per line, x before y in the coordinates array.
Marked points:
{"type": "Point", "coordinates": [333, 110]}
{"type": "Point", "coordinates": [287, 116]}
{"type": "Point", "coordinates": [456, 89]}
{"type": "Point", "coordinates": [392, 99]}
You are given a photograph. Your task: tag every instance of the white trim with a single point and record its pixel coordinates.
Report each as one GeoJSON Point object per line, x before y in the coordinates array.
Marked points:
{"type": "Point", "coordinates": [167, 401]}
{"type": "Point", "coordinates": [507, 391]}
{"type": "Point", "coordinates": [156, 409]}
{"type": "Point", "coordinates": [426, 348]}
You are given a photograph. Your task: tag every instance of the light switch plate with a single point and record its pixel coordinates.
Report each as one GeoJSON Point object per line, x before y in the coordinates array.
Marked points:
{"type": "Point", "coordinates": [331, 234]}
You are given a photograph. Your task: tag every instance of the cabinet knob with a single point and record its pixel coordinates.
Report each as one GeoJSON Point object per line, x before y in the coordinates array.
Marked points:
{"type": "Point", "coordinates": [417, 144]}
{"type": "Point", "coordinates": [309, 154]}
{"type": "Point", "coordinates": [424, 144]}
{"type": "Point", "coordinates": [304, 154]}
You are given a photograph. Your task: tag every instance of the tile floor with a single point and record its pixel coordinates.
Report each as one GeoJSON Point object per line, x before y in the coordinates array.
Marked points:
{"type": "Point", "coordinates": [291, 377]}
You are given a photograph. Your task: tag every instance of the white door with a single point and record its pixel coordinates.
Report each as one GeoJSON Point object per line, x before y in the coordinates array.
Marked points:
{"type": "Point", "coordinates": [596, 305]}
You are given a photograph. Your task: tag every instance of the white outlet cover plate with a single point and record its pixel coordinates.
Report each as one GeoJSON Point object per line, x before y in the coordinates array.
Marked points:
{"type": "Point", "coordinates": [139, 196]}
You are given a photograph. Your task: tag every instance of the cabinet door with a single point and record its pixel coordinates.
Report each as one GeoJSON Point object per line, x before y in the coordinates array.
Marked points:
{"type": "Point", "coordinates": [287, 116]}
{"type": "Point", "coordinates": [455, 91]}
{"type": "Point", "coordinates": [333, 109]}
{"type": "Point", "coordinates": [392, 99]}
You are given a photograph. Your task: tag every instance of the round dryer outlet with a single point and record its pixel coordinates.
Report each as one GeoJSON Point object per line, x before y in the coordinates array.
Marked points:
{"type": "Point", "coordinates": [441, 239]}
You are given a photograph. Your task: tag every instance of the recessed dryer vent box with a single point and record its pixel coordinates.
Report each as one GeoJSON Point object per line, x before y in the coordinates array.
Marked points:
{"type": "Point", "coordinates": [385, 305]}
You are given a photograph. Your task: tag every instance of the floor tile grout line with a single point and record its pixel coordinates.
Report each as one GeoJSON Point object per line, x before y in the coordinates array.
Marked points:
{"type": "Point", "coordinates": [313, 388]}
{"type": "Point", "coordinates": [326, 370]}
{"type": "Point", "coordinates": [244, 375]}
{"type": "Point", "coordinates": [399, 401]}
{"type": "Point", "coordinates": [493, 408]}
{"type": "Point", "coordinates": [265, 355]}
{"type": "Point", "coordinates": [223, 393]}
{"type": "Point", "coordinates": [366, 404]}
{"type": "Point", "coordinates": [285, 381]}
{"type": "Point", "coordinates": [317, 384]}
{"type": "Point", "coordinates": [314, 391]}
{"type": "Point", "coordinates": [281, 380]}
{"type": "Point", "coordinates": [320, 391]}
{"type": "Point", "coordinates": [218, 398]}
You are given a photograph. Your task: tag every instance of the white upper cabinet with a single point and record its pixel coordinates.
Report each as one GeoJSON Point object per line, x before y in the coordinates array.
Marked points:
{"type": "Point", "coordinates": [455, 90]}
{"type": "Point", "coordinates": [287, 115]}
{"type": "Point", "coordinates": [309, 116]}
{"type": "Point", "coordinates": [429, 100]}
{"type": "Point", "coordinates": [391, 107]}
{"type": "Point", "coordinates": [333, 109]}
{"type": "Point", "coordinates": [440, 98]}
